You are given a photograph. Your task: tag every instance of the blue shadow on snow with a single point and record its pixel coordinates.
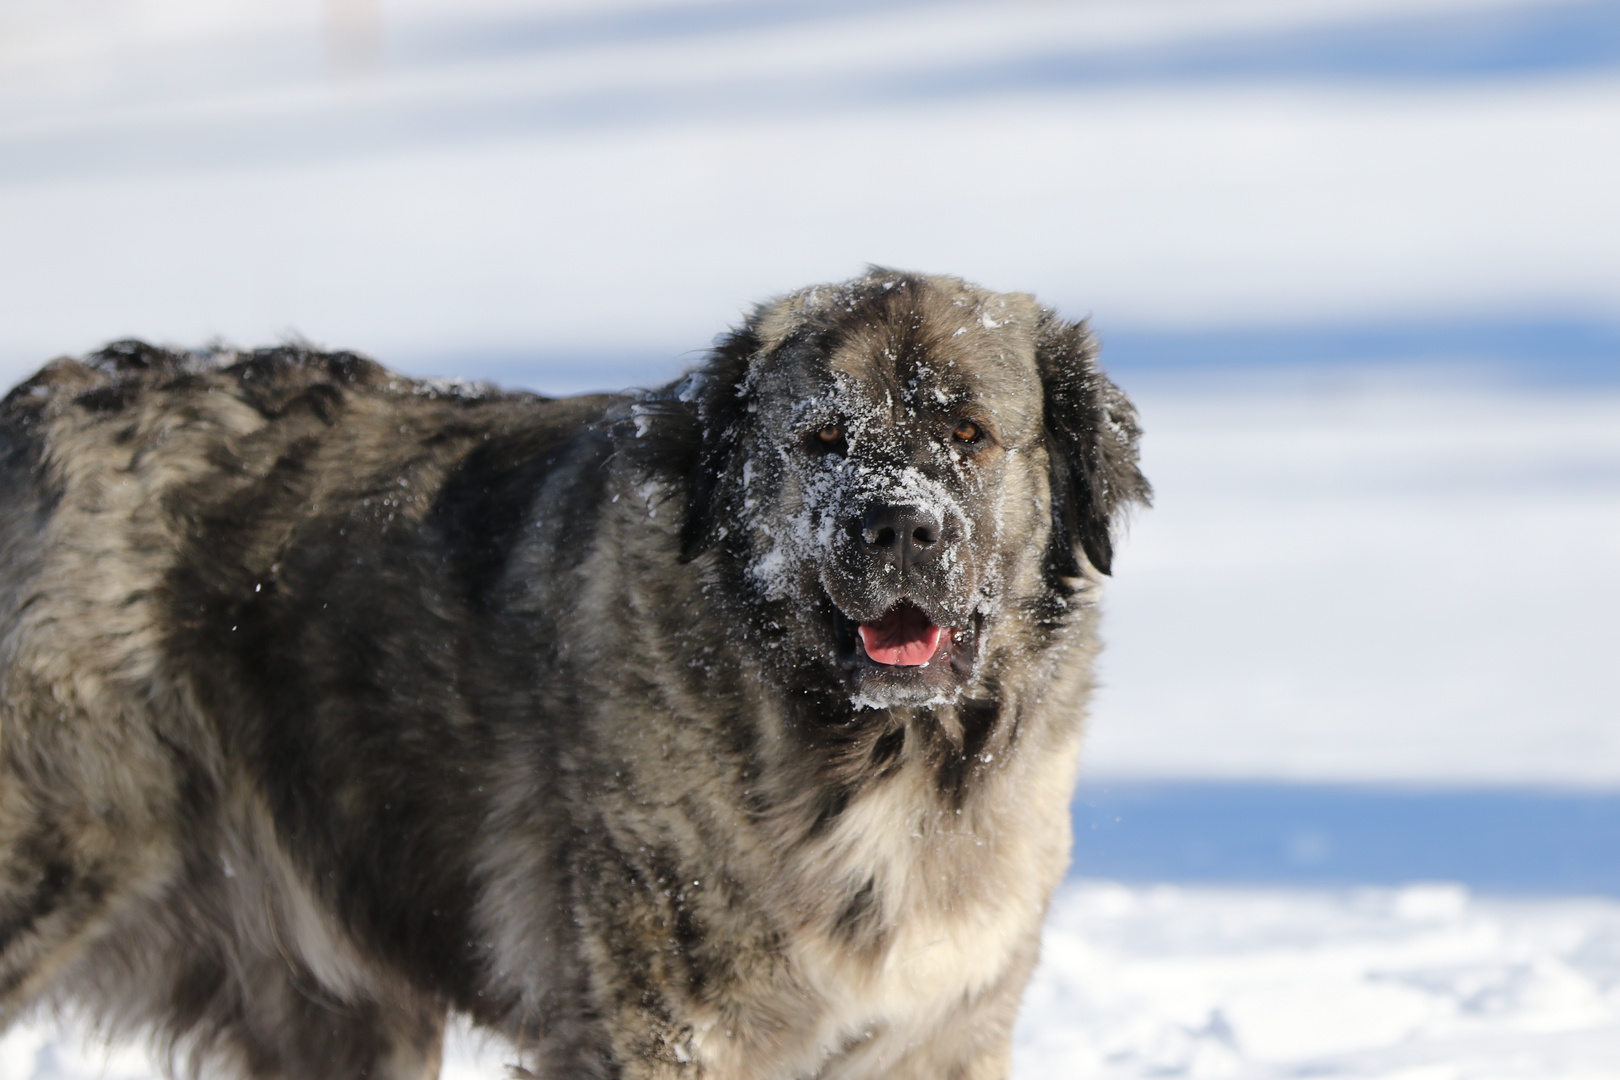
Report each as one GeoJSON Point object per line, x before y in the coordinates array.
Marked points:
{"type": "Point", "coordinates": [1502, 840]}
{"type": "Point", "coordinates": [1548, 351]}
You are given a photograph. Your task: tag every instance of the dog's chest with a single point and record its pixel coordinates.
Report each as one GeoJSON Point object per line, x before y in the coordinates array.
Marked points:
{"type": "Point", "coordinates": [952, 909]}
{"type": "Point", "coordinates": [935, 955]}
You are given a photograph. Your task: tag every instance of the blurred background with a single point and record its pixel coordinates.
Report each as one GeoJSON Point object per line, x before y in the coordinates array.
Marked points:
{"type": "Point", "coordinates": [1351, 802]}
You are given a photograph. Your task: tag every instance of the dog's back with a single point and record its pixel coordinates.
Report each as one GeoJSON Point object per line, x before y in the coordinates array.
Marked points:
{"type": "Point", "coordinates": [189, 781]}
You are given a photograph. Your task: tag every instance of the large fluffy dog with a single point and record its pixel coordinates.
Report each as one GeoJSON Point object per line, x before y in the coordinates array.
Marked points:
{"type": "Point", "coordinates": [723, 731]}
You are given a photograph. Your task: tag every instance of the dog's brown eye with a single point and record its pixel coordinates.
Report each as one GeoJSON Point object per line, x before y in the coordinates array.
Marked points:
{"type": "Point", "coordinates": [966, 431]}
{"type": "Point", "coordinates": [830, 433]}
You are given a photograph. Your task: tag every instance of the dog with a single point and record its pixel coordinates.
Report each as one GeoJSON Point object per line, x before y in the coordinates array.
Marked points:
{"type": "Point", "coordinates": [724, 730]}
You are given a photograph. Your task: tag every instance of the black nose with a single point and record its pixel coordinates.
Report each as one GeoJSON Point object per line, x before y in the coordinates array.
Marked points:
{"type": "Point", "coordinates": [901, 535]}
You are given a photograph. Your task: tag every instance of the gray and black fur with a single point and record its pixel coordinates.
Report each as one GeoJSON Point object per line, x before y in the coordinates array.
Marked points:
{"type": "Point", "coordinates": [332, 701]}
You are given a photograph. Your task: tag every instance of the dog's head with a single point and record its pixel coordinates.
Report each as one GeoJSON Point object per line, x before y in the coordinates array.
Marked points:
{"type": "Point", "coordinates": [888, 467]}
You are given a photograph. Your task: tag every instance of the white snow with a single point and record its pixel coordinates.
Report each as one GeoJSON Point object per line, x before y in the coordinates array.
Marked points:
{"type": "Point", "coordinates": [1424, 982]}
{"type": "Point", "coordinates": [1381, 577]}
{"type": "Point", "coordinates": [1420, 983]}
{"type": "Point", "coordinates": [179, 175]}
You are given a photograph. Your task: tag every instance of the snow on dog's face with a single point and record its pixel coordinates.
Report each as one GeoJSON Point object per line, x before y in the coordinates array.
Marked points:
{"type": "Point", "coordinates": [882, 467]}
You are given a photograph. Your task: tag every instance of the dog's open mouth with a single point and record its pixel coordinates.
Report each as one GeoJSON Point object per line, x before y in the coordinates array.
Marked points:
{"type": "Point", "coordinates": [904, 657]}
{"type": "Point", "coordinates": [903, 637]}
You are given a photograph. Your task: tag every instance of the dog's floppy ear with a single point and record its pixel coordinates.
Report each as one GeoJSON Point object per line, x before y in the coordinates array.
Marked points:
{"type": "Point", "coordinates": [1091, 442]}
{"type": "Point", "coordinates": [717, 394]}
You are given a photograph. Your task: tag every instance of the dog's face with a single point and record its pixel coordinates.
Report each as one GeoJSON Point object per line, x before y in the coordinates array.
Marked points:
{"type": "Point", "coordinates": [884, 481]}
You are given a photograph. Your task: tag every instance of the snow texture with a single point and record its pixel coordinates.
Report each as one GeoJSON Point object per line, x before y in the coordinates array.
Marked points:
{"type": "Point", "coordinates": [1424, 982]}
{"type": "Point", "coordinates": [493, 180]}
{"type": "Point", "coordinates": [1368, 576]}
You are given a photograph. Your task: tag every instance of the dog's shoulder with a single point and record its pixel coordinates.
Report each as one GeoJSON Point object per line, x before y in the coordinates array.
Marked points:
{"type": "Point", "coordinates": [121, 399]}
{"type": "Point", "coordinates": [136, 451]}
{"type": "Point", "coordinates": [130, 381]}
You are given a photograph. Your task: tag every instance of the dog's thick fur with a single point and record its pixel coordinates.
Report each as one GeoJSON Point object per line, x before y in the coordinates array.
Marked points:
{"type": "Point", "coordinates": [331, 700]}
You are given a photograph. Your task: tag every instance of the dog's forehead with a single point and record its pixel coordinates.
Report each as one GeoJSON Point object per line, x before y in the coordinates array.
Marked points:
{"type": "Point", "coordinates": [912, 348]}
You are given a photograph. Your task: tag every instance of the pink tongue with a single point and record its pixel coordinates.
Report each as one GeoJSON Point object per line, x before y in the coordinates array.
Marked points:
{"type": "Point", "coordinates": [902, 638]}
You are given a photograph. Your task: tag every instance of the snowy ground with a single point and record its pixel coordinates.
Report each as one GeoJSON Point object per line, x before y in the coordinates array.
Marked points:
{"type": "Point", "coordinates": [1400, 572]}
{"type": "Point", "coordinates": [1376, 577]}
{"type": "Point", "coordinates": [1420, 983]}
{"type": "Point", "coordinates": [449, 183]}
